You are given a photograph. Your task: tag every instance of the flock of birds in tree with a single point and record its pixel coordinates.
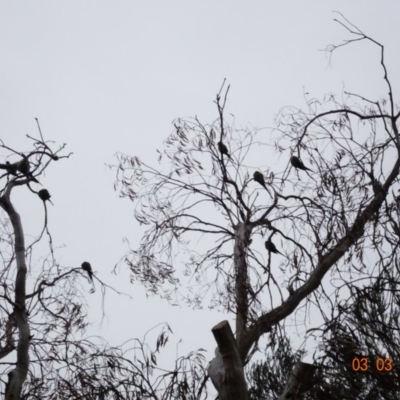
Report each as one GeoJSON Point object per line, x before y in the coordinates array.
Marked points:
{"type": "Point", "coordinates": [22, 169]}
{"type": "Point", "coordinates": [259, 178]}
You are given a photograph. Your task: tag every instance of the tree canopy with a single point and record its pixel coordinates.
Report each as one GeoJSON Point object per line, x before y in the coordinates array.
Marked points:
{"type": "Point", "coordinates": [327, 220]}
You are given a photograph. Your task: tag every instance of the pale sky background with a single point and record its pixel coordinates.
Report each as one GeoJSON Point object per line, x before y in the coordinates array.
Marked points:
{"type": "Point", "coordinates": [107, 77]}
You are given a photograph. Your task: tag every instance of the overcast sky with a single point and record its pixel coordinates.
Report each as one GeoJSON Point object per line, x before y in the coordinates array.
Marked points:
{"type": "Point", "coordinates": [106, 77]}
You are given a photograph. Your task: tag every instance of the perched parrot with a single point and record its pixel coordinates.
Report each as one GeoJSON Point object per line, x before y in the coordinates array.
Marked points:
{"type": "Point", "coordinates": [259, 177]}
{"type": "Point", "coordinates": [223, 149]}
{"type": "Point", "coordinates": [86, 267]}
{"type": "Point", "coordinates": [23, 167]}
{"type": "Point", "coordinates": [297, 163]}
{"type": "Point", "coordinates": [45, 195]}
{"type": "Point", "coordinates": [271, 247]}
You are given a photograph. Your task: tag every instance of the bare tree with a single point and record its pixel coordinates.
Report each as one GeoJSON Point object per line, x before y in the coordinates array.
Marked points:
{"type": "Point", "coordinates": [18, 173]}
{"type": "Point", "coordinates": [332, 202]}
{"type": "Point", "coordinates": [43, 315]}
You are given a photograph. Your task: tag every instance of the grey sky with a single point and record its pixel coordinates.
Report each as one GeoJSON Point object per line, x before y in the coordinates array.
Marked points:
{"type": "Point", "coordinates": [109, 76]}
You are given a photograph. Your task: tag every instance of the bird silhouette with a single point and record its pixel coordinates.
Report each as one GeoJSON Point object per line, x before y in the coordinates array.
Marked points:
{"type": "Point", "coordinates": [223, 149]}
{"type": "Point", "coordinates": [271, 247]}
{"type": "Point", "coordinates": [87, 267]}
{"type": "Point", "coordinates": [298, 164]}
{"type": "Point", "coordinates": [23, 166]}
{"type": "Point", "coordinates": [259, 177]}
{"type": "Point", "coordinates": [45, 195]}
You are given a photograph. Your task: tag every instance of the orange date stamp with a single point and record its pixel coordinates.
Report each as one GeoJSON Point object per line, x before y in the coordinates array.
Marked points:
{"type": "Point", "coordinates": [363, 364]}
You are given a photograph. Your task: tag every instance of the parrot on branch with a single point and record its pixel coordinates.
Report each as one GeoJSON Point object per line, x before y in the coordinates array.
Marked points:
{"type": "Point", "coordinates": [87, 267]}
{"type": "Point", "coordinates": [271, 247]}
{"type": "Point", "coordinates": [223, 149]}
{"type": "Point", "coordinates": [21, 166]}
{"type": "Point", "coordinates": [25, 168]}
{"type": "Point", "coordinates": [298, 164]}
{"type": "Point", "coordinates": [45, 195]}
{"type": "Point", "coordinates": [259, 177]}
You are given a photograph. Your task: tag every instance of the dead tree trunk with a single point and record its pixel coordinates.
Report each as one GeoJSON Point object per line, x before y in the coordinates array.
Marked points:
{"type": "Point", "coordinates": [226, 369]}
